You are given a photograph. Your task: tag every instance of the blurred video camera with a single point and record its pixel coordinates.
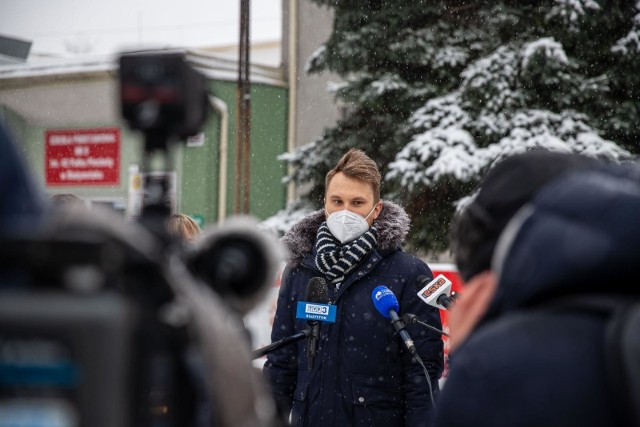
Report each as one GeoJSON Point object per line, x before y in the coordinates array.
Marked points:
{"type": "Point", "coordinates": [111, 324]}
{"type": "Point", "coordinates": [162, 95]}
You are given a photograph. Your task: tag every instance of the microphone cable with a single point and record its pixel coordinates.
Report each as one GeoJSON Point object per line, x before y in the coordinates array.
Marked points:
{"type": "Point", "coordinates": [426, 374]}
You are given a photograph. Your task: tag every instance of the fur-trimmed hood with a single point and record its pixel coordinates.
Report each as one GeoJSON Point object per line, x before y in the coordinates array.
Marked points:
{"type": "Point", "coordinates": [393, 225]}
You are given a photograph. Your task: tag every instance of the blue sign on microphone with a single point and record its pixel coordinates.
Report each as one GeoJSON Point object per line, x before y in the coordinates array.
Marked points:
{"type": "Point", "coordinates": [315, 311]}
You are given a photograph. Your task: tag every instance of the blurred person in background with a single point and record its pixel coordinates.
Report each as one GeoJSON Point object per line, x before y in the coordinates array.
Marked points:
{"type": "Point", "coordinates": [183, 226]}
{"type": "Point", "coordinates": [66, 199]}
{"type": "Point", "coordinates": [23, 205]}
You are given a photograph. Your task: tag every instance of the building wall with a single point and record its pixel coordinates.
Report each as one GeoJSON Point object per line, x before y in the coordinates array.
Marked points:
{"type": "Point", "coordinates": [315, 107]}
{"type": "Point", "coordinates": [67, 103]}
{"type": "Point", "coordinates": [32, 106]}
{"type": "Point", "coordinates": [268, 141]}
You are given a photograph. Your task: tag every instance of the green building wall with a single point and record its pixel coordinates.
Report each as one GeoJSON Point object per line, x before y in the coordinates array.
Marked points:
{"type": "Point", "coordinates": [267, 194]}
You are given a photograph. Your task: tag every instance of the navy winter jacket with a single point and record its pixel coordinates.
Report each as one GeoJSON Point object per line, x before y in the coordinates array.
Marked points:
{"type": "Point", "coordinates": [534, 360]}
{"type": "Point", "coordinates": [362, 375]}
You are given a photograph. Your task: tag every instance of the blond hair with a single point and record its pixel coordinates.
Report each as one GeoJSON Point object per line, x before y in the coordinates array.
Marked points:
{"type": "Point", "coordinates": [183, 226]}
{"type": "Point", "coordinates": [356, 164]}
{"type": "Point", "coordinates": [66, 199]}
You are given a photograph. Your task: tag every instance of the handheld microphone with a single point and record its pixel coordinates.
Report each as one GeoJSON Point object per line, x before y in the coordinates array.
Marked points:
{"type": "Point", "coordinates": [386, 303]}
{"type": "Point", "coordinates": [436, 293]}
{"type": "Point", "coordinates": [317, 292]}
{"type": "Point", "coordinates": [315, 310]}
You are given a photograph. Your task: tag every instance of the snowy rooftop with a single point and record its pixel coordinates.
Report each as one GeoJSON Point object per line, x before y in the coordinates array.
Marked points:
{"type": "Point", "coordinates": [213, 66]}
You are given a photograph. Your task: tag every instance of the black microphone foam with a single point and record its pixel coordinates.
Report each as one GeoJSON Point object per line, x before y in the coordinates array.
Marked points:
{"type": "Point", "coordinates": [421, 281]}
{"type": "Point", "coordinates": [317, 291]}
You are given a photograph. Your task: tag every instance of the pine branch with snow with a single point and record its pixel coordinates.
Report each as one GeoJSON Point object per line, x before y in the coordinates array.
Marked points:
{"type": "Point", "coordinates": [438, 91]}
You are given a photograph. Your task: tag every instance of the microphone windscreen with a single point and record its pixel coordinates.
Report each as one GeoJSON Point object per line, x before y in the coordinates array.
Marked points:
{"type": "Point", "coordinates": [384, 300]}
{"type": "Point", "coordinates": [317, 291]}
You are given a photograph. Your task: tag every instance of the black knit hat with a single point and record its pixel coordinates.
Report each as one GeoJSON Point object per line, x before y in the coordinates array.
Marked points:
{"type": "Point", "coordinates": [501, 193]}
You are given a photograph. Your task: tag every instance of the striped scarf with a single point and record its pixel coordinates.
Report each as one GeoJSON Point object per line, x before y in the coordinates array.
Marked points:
{"type": "Point", "coordinates": [335, 261]}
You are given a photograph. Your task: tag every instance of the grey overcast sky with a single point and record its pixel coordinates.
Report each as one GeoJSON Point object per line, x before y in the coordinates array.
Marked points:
{"type": "Point", "coordinates": [69, 27]}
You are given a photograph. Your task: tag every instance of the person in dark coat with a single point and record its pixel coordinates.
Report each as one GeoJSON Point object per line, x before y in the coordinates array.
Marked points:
{"type": "Point", "coordinates": [529, 357]}
{"type": "Point", "coordinates": [362, 375]}
{"type": "Point", "coordinates": [22, 204]}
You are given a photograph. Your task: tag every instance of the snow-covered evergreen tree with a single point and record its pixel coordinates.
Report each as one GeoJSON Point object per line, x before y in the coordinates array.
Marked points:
{"type": "Point", "coordinates": [438, 91]}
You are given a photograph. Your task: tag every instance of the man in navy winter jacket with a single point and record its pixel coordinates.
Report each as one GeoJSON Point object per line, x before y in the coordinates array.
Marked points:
{"type": "Point", "coordinates": [362, 375]}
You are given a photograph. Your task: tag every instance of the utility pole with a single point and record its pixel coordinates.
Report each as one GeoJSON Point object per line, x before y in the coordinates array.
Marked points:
{"type": "Point", "coordinates": [243, 121]}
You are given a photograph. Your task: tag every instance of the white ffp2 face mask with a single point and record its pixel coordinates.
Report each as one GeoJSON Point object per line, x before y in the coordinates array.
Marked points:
{"type": "Point", "coordinates": [347, 226]}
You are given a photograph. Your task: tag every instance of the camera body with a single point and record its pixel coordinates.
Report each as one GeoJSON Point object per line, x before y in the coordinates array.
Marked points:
{"type": "Point", "coordinates": [64, 357]}
{"type": "Point", "coordinates": [105, 323]}
{"type": "Point", "coordinates": [82, 341]}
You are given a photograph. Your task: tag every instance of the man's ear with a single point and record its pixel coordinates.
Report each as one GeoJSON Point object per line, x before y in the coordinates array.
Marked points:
{"type": "Point", "coordinates": [470, 306]}
{"type": "Point", "coordinates": [377, 210]}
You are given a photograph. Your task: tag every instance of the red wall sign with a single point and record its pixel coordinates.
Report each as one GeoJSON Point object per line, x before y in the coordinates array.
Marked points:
{"type": "Point", "coordinates": [82, 156]}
